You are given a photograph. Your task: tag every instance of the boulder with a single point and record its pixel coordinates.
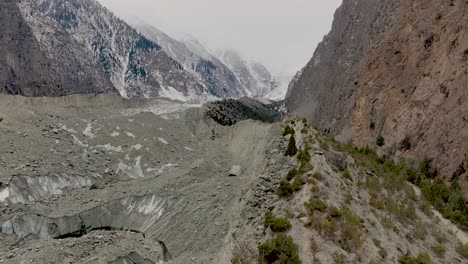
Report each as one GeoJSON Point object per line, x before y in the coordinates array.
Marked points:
{"type": "Point", "coordinates": [235, 170]}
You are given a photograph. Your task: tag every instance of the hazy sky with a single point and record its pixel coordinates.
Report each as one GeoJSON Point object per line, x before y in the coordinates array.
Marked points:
{"type": "Point", "coordinates": [282, 34]}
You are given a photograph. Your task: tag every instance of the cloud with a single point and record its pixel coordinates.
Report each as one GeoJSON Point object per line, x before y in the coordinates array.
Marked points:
{"type": "Point", "coordinates": [282, 34]}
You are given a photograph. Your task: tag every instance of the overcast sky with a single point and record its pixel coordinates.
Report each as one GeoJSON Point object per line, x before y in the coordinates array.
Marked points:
{"type": "Point", "coordinates": [282, 34]}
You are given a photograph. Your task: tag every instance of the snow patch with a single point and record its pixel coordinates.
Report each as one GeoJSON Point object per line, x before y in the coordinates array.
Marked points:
{"type": "Point", "coordinates": [115, 134]}
{"type": "Point", "coordinates": [172, 93]}
{"type": "Point", "coordinates": [69, 130]}
{"type": "Point", "coordinates": [88, 132]}
{"type": "Point", "coordinates": [129, 134]}
{"type": "Point", "coordinates": [137, 147]}
{"type": "Point", "coordinates": [162, 169]}
{"type": "Point", "coordinates": [109, 147]}
{"type": "Point", "coordinates": [4, 194]}
{"type": "Point", "coordinates": [132, 171]}
{"type": "Point", "coordinates": [162, 140]}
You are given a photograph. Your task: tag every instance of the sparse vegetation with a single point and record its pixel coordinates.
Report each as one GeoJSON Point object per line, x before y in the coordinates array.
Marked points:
{"type": "Point", "coordinates": [347, 175]}
{"type": "Point", "coordinates": [421, 258]}
{"type": "Point", "coordinates": [292, 149]}
{"type": "Point", "coordinates": [285, 189]}
{"type": "Point", "coordinates": [380, 141]}
{"type": "Point", "coordinates": [276, 224]}
{"type": "Point", "coordinates": [463, 250]}
{"type": "Point", "coordinates": [448, 201]}
{"type": "Point", "coordinates": [314, 248]}
{"type": "Point", "coordinates": [281, 249]}
{"type": "Point", "coordinates": [315, 204]}
{"type": "Point", "coordinates": [288, 131]}
{"type": "Point", "coordinates": [439, 250]}
{"type": "Point", "coordinates": [291, 174]}
{"type": "Point", "coordinates": [405, 143]}
{"type": "Point", "coordinates": [304, 158]}
{"type": "Point", "coordinates": [338, 258]}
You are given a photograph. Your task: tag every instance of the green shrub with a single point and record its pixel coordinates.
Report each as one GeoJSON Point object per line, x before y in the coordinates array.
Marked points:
{"type": "Point", "coordinates": [297, 183]}
{"type": "Point", "coordinates": [439, 250]}
{"type": "Point", "coordinates": [291, 174]}
{"type": "Point", "coordinates": [380, 141]}
{"type": "Point", "coordinates": [281, 249]}
{"type": "Point", "coordinates": [292, 149]}
{"type": "Point", "coordinates": [288, 131]}
{"type": "Point", "coordinates": [347, 175]}
{"type": "Point", "coordinates": [280, 224]}
{"type": "Point", "coordinates": [315, 204]}
{"type": "Point", "coordinates": [447, 201]}
{"type": "Point", "coordinates": [318, 176]}
{"type": "Point", "coordinates": [421, 258]}
{"type": "Point", "coordinates": [405, 144]}
{"type": "Point", "coordinates": [268, 219]}
{"type": "Point", "coordinates": [338, 258]}
{"type": "Point", "coordinates": [277, 224]}
{"type": "Point", "coordinates": [285, 189]}
{"type": "Point", "coordinates": [463, 250]}
{"type": "Point", "coordinates": [304, 158]}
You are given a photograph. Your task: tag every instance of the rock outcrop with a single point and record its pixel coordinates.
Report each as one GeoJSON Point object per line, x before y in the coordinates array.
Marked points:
{"type": "Point", "coordinates": [24, 68]}
{"type": "Point", "coordinates": [396, 69]}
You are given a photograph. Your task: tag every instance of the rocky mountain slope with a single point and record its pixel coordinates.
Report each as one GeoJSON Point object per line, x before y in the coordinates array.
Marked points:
{"type": "Point", "coordinates": [255, 77]}
{"type": "Point", "coordinates": [395, 71]}
{"type": "Point", "coordinates": [136, 66]}
{"type": "Point", "coordinates": [209, 71]}
{"type": "Point", "coordinates": [27, 69]}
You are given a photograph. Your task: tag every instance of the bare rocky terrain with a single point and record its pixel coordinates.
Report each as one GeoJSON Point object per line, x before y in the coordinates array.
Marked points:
{"type": "Point", "coordinates": [100, 179]}
{"type": "Point", "coordinates": [90, 179]}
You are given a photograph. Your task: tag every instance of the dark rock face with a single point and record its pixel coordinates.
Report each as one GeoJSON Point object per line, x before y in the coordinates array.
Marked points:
{"type": "Point", "coordinates": [325, 90]}
{"type": "Point", "coordinates": [24, 68]}
{"type": "Point", "coordinates": [396, 69]}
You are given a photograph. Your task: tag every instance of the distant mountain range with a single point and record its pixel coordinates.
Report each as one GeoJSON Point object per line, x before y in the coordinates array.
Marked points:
{"type": "Point", "coordinates": [59, 47]}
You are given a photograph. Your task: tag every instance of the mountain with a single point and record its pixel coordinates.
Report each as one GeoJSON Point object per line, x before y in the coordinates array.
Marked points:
{"type": "Point", "coordinates": [27, 67]}
{"type": "Point", "coordinates": [69, 47]}
{"type": "Point", "coordinates": [255, 77]}
{"type": "Point", "coordinates": [395, 71]}
{"type": "Point", "coordinates": [209, 71]}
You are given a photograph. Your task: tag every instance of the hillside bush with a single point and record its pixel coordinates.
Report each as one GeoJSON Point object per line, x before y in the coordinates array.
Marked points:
{"type": "Point", "coordinates": [421, 258]}
{"type": "Point", "coordinates": [285, 189]}
{"type": "Point", "coordinates": [315, 204]}
{"type": "Point", "coordinates": [288, 131]}
{"type": "Point", "coordinates": [281, 249]}
{"type": "Point", "coordinates": [292, 149]}
{"type": "Point", "coordinates": [276, 224]}
{"type": "Point", "coordinates": [463, 250]}
{"type": "Point", "coordinates": [291, 174]}
{"type": "Point", "coordinates": [380, 141]}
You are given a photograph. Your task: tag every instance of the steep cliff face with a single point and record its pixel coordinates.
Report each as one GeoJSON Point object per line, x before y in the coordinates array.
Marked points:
{"type": "Point", "coordinates": [24, 69]}
{"type": "Point", "coordinates": [396, 69]}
